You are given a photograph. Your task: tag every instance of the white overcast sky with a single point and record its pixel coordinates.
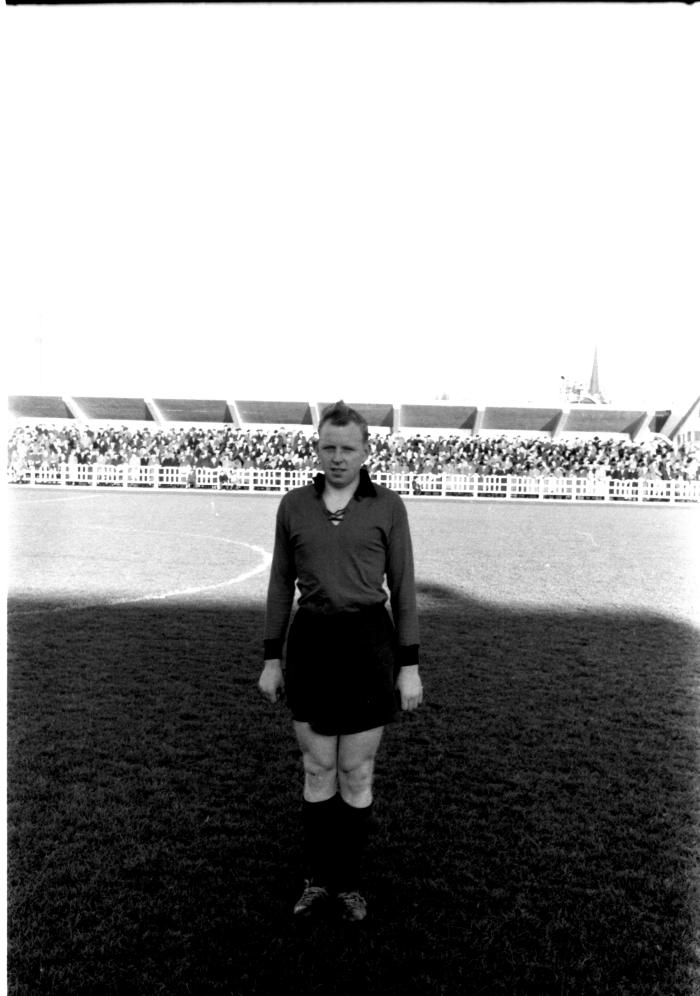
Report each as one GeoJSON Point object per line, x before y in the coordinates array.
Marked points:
{"type": "Point", "coordinates": [375, 202]}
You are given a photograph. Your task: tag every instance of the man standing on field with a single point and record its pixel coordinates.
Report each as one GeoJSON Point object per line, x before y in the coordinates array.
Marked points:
{"type": "Point", "coordinates": [347, 663]}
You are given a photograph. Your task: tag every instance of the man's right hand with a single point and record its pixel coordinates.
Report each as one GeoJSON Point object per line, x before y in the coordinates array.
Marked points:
{"type": "Point", "coordinates": [271, 681]}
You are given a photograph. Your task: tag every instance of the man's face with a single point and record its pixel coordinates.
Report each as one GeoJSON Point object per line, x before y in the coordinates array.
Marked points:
{"type": "Point", "coordinates": [341, 453]}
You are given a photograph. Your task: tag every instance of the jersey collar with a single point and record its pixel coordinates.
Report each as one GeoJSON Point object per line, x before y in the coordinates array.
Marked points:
{"type": "Point", "coordinates": [364, 489]}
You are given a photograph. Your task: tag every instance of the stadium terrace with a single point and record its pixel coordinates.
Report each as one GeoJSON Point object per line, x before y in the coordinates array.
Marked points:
{"type": "Point", "coordinates": [585, 451]}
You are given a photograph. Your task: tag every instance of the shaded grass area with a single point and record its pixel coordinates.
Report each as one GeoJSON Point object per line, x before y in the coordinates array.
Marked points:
{"type": "Point", "coordinates": [536, 820]}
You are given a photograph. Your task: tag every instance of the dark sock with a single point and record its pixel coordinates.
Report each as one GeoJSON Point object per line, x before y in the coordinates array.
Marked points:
{"type": "Point", "coordinates": [319, 830]}
{"type": "Point", "coordinates": [352, 835]}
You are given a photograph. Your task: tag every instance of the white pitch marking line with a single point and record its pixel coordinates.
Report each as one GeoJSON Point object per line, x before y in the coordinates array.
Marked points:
{"type": "Point", "coordinates": [262, 566]}
{"type": "Point", "coordinates": [55, 501]}
{"type": "Point", "coordinates": [161, 596]}
{"type": "Point", "coordinates": [589, 536]}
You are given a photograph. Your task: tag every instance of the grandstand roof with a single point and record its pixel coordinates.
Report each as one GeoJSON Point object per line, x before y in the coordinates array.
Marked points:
{"type": "Point", "coordinates": [581, 419]}
{"type": "Point", "coordinates": [603, 420]}
{"type": "Point", "coordinates": [183, 410]}
{"type": "Point", "coordinates": [38, 406]}
{"type": "Point", "coordinates": [443, 417]}
{"type": "Point", "coordinates": [275, 412]}
{"type": "Point", "coordinates": [376, 414]}
{"type": "Point", "coordinates": [674, 422]}
{"type": "Point", "coordinates": [524, 419]}
{"type": "Point", "coordinates": [115, 409]}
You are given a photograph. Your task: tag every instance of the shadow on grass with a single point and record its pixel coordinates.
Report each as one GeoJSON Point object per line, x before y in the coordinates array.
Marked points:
{"type": "Point", "coordinates": [535, 820]}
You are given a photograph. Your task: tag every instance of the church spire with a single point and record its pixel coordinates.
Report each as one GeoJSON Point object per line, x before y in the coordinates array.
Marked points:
{"type": "Point", "coordinates": [594, 392]}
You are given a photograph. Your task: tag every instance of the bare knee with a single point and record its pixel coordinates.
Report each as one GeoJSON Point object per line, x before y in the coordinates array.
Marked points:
{"type": "Point", "coordinates": [355, 782]}
{"type": "Point", "coordinates": [320, 779]}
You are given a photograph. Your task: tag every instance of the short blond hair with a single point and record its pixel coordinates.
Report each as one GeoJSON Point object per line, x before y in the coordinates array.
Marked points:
{"type": "Point", "coordinates": [341, 414]}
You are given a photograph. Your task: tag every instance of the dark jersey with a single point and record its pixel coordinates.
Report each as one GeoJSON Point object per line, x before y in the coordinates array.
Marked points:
{"type": "Point", "coordinates": [342, 568]}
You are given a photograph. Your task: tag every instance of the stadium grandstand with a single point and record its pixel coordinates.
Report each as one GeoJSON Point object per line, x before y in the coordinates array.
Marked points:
{"type": "Point", "coordinates": [582, 450]}
{"type": "Point", "coordinates": [583, 420]}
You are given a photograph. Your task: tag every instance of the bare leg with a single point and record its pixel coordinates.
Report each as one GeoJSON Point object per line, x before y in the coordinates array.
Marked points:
{"type": "Point", "coordinates": [320, 757]}
{"type": "Point", "coordinates": [356, 754]}
{"type": "Point", "coordinates": [346, 762]}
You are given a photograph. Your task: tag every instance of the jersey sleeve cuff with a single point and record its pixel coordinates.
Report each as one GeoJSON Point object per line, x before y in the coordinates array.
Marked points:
{"type": "Point", "coordinates": [408, 656]}
{"type": "Point", "coordinates": [273, 649]}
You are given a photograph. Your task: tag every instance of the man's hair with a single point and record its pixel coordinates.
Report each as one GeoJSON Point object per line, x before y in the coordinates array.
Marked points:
{"type": "Point", "coordinates": [341, 414]}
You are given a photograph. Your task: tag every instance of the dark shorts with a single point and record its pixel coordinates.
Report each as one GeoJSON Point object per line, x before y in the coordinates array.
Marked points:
{"type": "Point", "coordinates": [341, 669]}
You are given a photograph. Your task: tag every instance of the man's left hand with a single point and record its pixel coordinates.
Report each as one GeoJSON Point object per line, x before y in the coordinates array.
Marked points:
{"type": "Point", "coordinates": [410, 688]}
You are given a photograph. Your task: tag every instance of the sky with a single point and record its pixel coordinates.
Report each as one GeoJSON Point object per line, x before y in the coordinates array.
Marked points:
{"type": "Point", "coordinates": [377, 202]}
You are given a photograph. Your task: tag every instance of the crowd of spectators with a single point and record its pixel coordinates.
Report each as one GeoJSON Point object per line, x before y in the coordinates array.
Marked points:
{"type": "Point", "coordinates": [231, 449]}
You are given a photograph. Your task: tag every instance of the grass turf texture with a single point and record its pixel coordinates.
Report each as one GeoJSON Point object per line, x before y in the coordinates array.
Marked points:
{"type": "Point", "coordinates": [536, 821]}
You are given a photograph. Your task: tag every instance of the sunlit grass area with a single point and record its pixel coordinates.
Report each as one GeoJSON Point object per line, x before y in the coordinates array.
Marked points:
{"type": "Point", "coordinates": [536, 827]}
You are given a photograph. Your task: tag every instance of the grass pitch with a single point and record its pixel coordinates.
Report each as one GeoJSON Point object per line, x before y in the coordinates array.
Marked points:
{"type": "Point", "coordinates": [537, 819]}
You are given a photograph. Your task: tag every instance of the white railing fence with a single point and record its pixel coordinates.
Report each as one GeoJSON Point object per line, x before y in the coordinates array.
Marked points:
{"type": "Point", "coordinates": [430, 485]}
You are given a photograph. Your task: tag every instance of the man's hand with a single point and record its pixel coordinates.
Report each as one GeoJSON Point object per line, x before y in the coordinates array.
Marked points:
{"type": "Point", "coordinates": [271, 681]}
{"type": "Point", "coordinates": [410, 688]}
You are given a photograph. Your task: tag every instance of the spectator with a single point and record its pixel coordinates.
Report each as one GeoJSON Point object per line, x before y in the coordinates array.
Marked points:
{"type": "Point", "coordinates": [47, 446]}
